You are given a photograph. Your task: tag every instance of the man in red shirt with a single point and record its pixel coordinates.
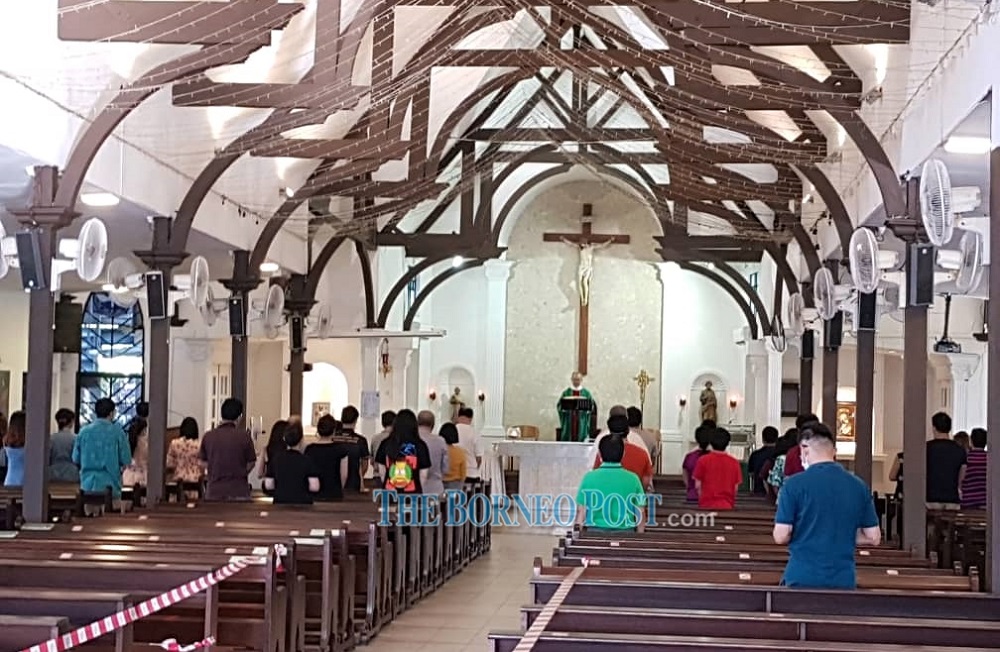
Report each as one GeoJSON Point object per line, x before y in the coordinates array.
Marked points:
{"type": "Point", "coordinates": [717, 475]}
{"type": "Point", "coordinates": [636, 458]}
{"type": "Point", "coordinates": [793, 459]}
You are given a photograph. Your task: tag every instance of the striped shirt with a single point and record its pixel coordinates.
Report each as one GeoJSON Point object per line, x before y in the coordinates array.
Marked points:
{"type": "Point", "coordinates": [974, 484]}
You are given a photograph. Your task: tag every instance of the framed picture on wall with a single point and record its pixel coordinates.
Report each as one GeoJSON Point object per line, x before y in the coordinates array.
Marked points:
{"type": "Point", "coordinates": [789, 399]}
{"type": "Point", "coordinates": [846, 413]}
{"type": "Point", "coordinates": [319, 410]}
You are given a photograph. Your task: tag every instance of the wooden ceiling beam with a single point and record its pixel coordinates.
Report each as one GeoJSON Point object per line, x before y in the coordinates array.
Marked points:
{"type": "Point", "coordinates": [170, 23]}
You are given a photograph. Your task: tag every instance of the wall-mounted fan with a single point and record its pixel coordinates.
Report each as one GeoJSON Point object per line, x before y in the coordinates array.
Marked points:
{"type": "Point", "coordinates": [797, 315]}
{"type": "Point", "coordinates": [966, 264]}
{"type": "Point", "coordinates": [320, 322]}
{"type": "Point", "coordinates": [196, 287]}
{"type": "Point", "coordinates": [935, 202]}
{"type": "Point", "coordinates": [829, 296]}
{"type": "Point", "coordinates": [85, 253]}
{"type": "Point", "coordinates": [867, 262]}
{"type": "Point", "coordinates": [124, 283]}
{"type": "Point", "coordinates": [273, 312]}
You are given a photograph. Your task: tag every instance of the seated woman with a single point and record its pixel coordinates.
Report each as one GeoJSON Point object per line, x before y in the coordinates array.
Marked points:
{"type": "Point", "coordinates": [292, 478]}
{"type": "Point", "coordinates": [61, 467]}
{"type": "Point", "coordinates": [454, 476]}
{"type": "Point", "coordinates": [13, 449]}
{"type": "Point", "coordinates": [138, 441]}
{"type": "Point", "coordinates": [183, 464]}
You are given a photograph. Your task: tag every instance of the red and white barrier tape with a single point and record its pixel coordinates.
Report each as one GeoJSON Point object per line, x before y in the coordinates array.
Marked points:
{"type": "Point", "coordinates": [116, 621]}
{"type": "Point", "coordinates": [171, 645]}
{"type": "Point", "coordinates": [530, 637]}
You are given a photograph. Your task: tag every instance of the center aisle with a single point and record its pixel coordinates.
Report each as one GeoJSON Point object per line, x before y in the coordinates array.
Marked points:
{"type": "Point", "coordinates": [487, 595]}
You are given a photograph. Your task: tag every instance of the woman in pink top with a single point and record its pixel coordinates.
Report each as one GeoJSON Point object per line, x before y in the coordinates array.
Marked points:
{"type": "Point", "coordinates": [702, 437]}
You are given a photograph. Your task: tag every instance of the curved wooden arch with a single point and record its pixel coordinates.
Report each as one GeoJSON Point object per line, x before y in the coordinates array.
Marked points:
{"type": "Point", "coordinates": [886, 178]}
{"type": "Point", "coordinates": [563, 168]}
{"type": "Point", "coordinates": [135, 93]}
{"type": "Point", "coordinates": [737, 297]}
{"type": "Point", "coordinates": [409, 275]}
{"type": "Point", "coordinates": [319, 265]}
{"type": "Point", "coordinates": [751, 294]}
{"type": "Point", "coordinates": [430, 287]}
{"type": "Point", "coordinates": [784, 269]}
{"type": "Point", "coordinates": [369, 282]}
{"type": "Point", "coordinates": [834, 204]}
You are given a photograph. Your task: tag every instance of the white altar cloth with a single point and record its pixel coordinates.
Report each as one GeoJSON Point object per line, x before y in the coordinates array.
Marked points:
{"type": "Point", "coordinates": [548, 468]}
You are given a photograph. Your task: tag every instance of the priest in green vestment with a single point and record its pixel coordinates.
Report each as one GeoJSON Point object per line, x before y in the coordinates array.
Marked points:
{"type": "Point", "coordinates": [574, 425]}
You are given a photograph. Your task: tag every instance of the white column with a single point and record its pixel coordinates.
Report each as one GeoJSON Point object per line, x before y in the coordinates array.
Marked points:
{"type": "Point", "coordinates": [190, 371]}
{"type": "Point", "coordinates": [672, 424]}
{"type": "Point", "coordinates": [965, 393]}
{"type": "Point", "coordinates": [370, 386]}
{"type": "Point", "coordinates": [775, 369]}
{"type": "Point", "coordinates": [878, 437]}
{"type": "Point", "coordinates": [494, 346]}
{"type": "Point", "coordinates": [755, 401]}
{"type": "Point", "coordinates": [393, 386]}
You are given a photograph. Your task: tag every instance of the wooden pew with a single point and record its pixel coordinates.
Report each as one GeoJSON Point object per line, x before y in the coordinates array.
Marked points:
{"type": "Point", "coordinates": [74, 607]}
{"type": "Point", "coordinates": [783, 626]}
{"type": "Point", "coordinates": [257, 612]}
{"type": "Point", "coordinates": [20, 632]}
{"type": "Point", "coordinates": [867, 578]}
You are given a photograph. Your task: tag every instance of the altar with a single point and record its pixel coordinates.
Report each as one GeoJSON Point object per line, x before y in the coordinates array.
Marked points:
{"type": "Point", "coordinates": [546, 468]}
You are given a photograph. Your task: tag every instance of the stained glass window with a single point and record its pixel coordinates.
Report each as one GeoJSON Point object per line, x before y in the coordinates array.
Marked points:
{"type": "Point", "coordinates": [112, 353]}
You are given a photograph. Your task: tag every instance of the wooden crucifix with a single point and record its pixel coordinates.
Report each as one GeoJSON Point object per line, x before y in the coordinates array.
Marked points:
{"type": "Point", "coordinates": [586, 242]}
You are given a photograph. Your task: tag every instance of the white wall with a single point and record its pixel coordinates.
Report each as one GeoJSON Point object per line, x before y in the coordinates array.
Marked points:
{"type": "Point", "coordinates": [697, 340]}
{"type": "Point", "coordinates": [457, 306]}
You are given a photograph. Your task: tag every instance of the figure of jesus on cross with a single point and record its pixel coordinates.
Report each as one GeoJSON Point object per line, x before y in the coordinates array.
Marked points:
{"type": "Point", "coordinates": [587, 242]}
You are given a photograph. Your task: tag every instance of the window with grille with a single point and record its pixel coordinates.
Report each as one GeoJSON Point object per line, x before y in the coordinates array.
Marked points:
{"type": "Point", "coordinates": [112, 350]}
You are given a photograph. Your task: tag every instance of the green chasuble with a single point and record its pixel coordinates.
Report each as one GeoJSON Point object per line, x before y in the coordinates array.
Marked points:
{"type": "Point", "coordinates": [575, 426]}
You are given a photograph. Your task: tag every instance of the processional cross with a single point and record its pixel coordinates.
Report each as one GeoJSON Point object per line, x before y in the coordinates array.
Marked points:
{"type": "Point", "coordinates": [587, 242]}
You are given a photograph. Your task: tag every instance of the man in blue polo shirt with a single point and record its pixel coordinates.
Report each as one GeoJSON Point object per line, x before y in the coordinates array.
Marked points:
{"type": "Point", "coordinates": [611, 497]}
{"type": "Point", "coordinates": [823, 514]}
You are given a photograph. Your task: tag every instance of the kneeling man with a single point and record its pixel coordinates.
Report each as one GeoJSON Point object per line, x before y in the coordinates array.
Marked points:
{"type": "Point", "coordinates": [611, 497]}
{"type": "Point", "coordinates": [824, 513]}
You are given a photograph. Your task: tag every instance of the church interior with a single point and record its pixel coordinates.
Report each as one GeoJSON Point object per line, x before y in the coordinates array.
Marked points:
{"type": "Point", "coordinates": [518, 217]}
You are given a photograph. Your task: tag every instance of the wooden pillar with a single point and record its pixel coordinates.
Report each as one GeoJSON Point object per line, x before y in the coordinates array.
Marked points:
{"type": "Point", "coordinates": [915, 428]}
{"type": "Point", "coordinates": [914, 387]}
{"type": "Point", "coordinates": [298, 303]}
{"type": "Point", "coordinates": [38, 390]}
{"type": "Point", "coordinates": [243, 281]}
{"type": "Point", "coordinates": [865, 387]}
{"type": "Point", "coordinates": [296, 373]}
{"type": "Point", "coordinates": [993, 371]}
{"type": "Point", "coordinates": [831, 368]}
{"type": "Point", "coordinates": [808, 355]}
{"type": "Point", "coordinates": [160, 257]}
{"type": "Point", "coordinates": [44, 218]}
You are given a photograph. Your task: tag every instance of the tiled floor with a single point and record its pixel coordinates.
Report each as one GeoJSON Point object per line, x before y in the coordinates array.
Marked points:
{"type": "Point", "coordinates": [486, 596]}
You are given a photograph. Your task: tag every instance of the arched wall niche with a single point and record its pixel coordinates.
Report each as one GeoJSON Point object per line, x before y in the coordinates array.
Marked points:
{"type": "Point", "coordinates": [325, 391]}
{"type": "Point", "coordinates": [450, 379]}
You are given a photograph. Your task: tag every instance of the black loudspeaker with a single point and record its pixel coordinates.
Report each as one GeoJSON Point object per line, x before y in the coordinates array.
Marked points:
{"type": "Point", "coordinates": [833, 332]}
{"type": "Point", "coordinates": [920, 275]}
{"type": "Point", "coordinates": [867, 312]}
{"type": "Point", "coordinates": [295, 331]}
{"type": "Point", "coordinates": [69, 319]}
{"type": "Point", "coordinates": [29, 257]}
{"type": "Point", "coordinates": [237, 319]}
{"type": "Point", "coordinates": [156, 293]}
{"type": "Point", "coordinates": [809, 344]}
